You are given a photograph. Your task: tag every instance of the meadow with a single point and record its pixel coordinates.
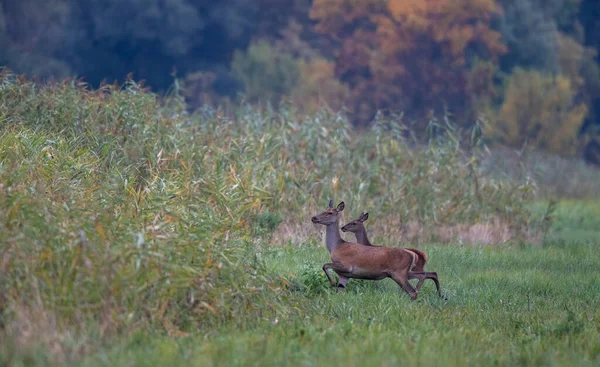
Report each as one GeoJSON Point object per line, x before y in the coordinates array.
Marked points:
{"type": "Point", "coordinates": [134, 232]}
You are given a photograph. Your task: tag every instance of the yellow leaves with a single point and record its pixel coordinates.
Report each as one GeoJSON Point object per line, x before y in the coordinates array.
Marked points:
{"type": "Point", "coordinates": [540, 110]}
{"type": "Point", "coordinates": [572, 56]}
{"type": "Point", "coordinates": [318, 85]}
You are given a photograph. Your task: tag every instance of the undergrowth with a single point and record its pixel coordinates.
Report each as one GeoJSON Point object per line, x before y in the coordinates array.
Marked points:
{"type": "Point", "coordinates": [120, 212]}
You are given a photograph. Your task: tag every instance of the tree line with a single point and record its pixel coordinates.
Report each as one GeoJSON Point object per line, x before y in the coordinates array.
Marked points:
{"type": "Point", "coordinates": [528, 68]}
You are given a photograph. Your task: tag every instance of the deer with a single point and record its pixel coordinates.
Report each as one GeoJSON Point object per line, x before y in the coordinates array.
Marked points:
{"type": "Point", "coordinates": [353, 260]}
{"type": "Point", "coordinates": [416, 272]}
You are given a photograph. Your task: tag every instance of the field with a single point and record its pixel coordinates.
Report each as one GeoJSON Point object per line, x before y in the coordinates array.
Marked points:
{"type": "Point", "coordinates": [135, 233]}
{"type": "Point", "coordinates": [510, 306]}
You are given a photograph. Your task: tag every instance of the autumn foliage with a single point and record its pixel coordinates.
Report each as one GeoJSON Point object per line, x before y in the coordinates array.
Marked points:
{"type": "Point", "coordinates": [419, 59]}
{"type": "Point", "coordinates": [541, 111]}
{"type": "Point", "coordinates": [404, 55]}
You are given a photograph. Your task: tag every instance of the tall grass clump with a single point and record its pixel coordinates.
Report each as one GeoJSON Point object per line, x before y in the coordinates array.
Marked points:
{"type": "Point", "coordinates": [121, 212]}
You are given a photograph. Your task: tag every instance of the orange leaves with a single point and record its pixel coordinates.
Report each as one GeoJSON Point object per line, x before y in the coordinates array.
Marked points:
{"type": "Point", "coordinates": [333, 15]}
{"type": "Point", "coordinates": [408, 55]}
{"type": "Point", "coordinates": [412, 14]}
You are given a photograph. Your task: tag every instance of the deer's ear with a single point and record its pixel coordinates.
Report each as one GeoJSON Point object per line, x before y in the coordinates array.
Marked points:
{"type": "Point", "coordinates": [340, 206]}
{"type": "Point", "coordinates": [364, 216]}
{"type": "Point", "coordinates": [331, 203]}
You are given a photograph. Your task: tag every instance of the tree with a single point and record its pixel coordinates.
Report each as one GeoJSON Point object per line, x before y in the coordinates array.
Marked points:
{"type": "Point", "coordinates": [150, 37]}
{"type": "Point", "coordinates": [267, 73]}
{"type": "Point", "coordinates": [409, 55]}
{"type": "Point", "coordinates": [32, 35]}
{"type": "Point", "coordinates": [539, 110]}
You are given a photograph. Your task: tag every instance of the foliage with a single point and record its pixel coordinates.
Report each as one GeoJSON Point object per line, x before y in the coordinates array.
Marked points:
{"type": "Point", "coordinates": [114, 217]}
{"type": "Point", "coordinates": [111, 39]}
{"type": "Point", "coordinates": [121, 213]}
{"type": "Point", "coordinates": [318, 86]}
{"type": "Point", "coordinates": [529, 28]}
{"type": "Point", "coordinates": [538, 110]}
{"type": "Point", "coordinates": [408, 56]}
{"type": "Point", "coordinates": [266, 73]}
{"type": "Point", "coordinates": [417, 58]}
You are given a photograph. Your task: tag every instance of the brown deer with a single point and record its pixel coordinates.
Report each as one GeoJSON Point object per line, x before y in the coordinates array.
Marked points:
{"type": "Point", "coordinates": [352, 260]}
{"type": "Point", "coordinates": [417, 271]}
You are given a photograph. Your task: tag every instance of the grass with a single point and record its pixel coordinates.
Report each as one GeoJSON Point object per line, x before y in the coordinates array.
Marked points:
{"type": "Point", "coordinates": [506, 306]}
{"type": "Point", "coordinates": [134, 232]}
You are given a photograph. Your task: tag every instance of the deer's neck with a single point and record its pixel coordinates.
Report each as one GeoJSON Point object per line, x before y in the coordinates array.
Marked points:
{"type": "Point", "coordinates": [332, 237]}
{"type": "Point", "coordinates": [361, 237]}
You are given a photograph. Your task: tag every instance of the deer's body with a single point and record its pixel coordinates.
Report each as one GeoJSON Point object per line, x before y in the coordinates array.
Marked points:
{"type": "Point", "coordinates": [353, 260]}
{"type": "Point", "coordinates": [417, 270]}
{"type": "Point", "coordinates": [370, 263]}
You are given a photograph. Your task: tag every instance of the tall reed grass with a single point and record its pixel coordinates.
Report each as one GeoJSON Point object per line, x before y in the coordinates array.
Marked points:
{"type": "Point", "coordinates": [120, 211]}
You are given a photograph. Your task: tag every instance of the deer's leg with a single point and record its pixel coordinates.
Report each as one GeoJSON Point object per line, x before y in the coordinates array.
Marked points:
{"type": "Point", "coordinates": [325, 267]}
{"type": "Point", "coordinates": [340, 270]}
{"type": "Point", "coordinates": [433, 276]}
{"type": "Point", "coordinates": [417, 275]}
{"type": "Point", "coordinates": [425, 275]}
{"type": "Point", "coordinates": [402, 280]}
{"type": "Point", "coordinates": [342, 282]}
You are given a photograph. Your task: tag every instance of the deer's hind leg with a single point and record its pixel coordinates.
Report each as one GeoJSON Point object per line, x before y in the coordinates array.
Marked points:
{"type": "Point", "coordinates": [425, 275]}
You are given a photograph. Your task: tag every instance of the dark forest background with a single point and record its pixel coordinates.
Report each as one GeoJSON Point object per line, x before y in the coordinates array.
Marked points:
{"type": "Point", "coordinates": [529, 69]}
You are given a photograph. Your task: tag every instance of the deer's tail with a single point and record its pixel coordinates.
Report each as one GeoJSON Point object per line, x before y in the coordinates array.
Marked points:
{"type": "Point", "coordinates": [420, 259]}
{"type": "Point", "coordinates": [413, 259]}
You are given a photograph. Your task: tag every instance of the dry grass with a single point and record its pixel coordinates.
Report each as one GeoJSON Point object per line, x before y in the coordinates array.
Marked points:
{"type": "Point", "coordinates": [554, 176]}
{"type": "Point", "coordinates": [494, 232]}
{"type": "Point", "coordinates": [32, 329]}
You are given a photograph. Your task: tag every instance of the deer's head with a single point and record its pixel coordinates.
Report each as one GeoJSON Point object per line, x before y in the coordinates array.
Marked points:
{"type": "Point", "coordinates": [357, 224]}
{"type": "Point", "coordinates": [330, 215]}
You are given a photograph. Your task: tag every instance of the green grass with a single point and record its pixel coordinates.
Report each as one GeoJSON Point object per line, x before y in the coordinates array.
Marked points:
{"type": "Point", "coordinates": [133, 232]}
{"type": "Point", "coordinates": [506, 306]}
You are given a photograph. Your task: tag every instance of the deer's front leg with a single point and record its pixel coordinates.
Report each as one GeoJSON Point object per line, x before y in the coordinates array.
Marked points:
{"type": "Point", "coordinates": [339, 269]}
{"type": "Point", "coordinates": [325, 267]}
{"type": "Point", "coordinates": [342, 282]}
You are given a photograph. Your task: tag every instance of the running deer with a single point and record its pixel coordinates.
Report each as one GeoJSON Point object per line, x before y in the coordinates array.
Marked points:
{"type": "Point", "coordinates": [352, 260]}
{"type": "Point", "coordinates": [417, 271]}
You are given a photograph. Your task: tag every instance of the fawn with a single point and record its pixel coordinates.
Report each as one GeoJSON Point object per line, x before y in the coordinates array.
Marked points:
{"type": "Point", "coordinates": [352, 260]}
{"type": "Point", "coordinates": [417, 271]}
